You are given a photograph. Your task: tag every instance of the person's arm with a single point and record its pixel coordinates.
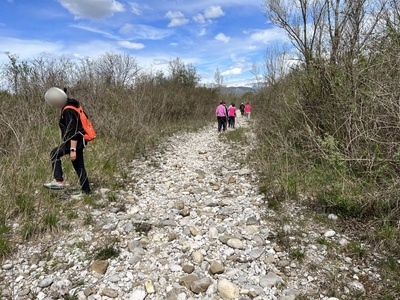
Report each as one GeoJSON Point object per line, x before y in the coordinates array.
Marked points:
{"type": "Point", "coordinates": [72, 131]}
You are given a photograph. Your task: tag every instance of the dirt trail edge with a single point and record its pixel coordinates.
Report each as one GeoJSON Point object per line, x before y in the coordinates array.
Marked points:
{"type": "Point", "coordinates": [189, 224]}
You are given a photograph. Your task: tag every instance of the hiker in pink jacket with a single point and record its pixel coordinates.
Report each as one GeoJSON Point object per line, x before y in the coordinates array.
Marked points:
{"type": "Point", "coordinates": [232, 115]}
{"type": "Point", "coordinates": [247, 110]}
{"type": "Point", "coordinates": [221, 114]}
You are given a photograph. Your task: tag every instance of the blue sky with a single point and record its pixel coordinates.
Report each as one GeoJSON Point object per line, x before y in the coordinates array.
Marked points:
{"type": "Point", "coordinates": [230, 35]}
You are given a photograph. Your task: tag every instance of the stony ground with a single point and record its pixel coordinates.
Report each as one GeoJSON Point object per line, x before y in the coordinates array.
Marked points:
{"type": "Point", "coordinates": [189, 223]}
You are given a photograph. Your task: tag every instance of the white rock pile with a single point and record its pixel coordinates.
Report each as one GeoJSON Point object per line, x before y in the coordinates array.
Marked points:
{"type": "Point", "coordinates": [190, 225]}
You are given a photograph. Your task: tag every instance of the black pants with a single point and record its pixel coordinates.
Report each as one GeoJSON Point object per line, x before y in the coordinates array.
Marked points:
{"type": "Point", "coordinates": [232, 122]}
{"type": "Point", "coordinates": [79, 166]}
{"type": "Point", "coordinates": [221, 123]}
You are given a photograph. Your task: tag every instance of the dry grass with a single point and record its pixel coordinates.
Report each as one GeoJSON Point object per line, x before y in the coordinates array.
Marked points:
{"type": "Point", "coordinates": [331, 132]}
{"type": "Point", "coordinates": [129, 116]}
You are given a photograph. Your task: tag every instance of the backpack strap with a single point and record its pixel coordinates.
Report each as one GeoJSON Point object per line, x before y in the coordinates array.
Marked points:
{"type": "Point", "coordinates": [72, 107]}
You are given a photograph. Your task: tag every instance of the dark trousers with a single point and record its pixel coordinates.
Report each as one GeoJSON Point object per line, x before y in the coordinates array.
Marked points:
{"type": "Point", "coordinates": [78, 164]}
{"type": "Point", "coordinates": [232, 122]}
{"type": "Point", "coordinates": [221, 123]}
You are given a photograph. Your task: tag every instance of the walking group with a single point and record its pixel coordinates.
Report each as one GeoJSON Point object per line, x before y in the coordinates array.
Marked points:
{"type": "Point", "coordinates": [226, 115]}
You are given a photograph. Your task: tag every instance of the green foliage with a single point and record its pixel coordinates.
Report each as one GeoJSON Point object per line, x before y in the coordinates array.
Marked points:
{"type": "Point", "coordinates": [388, 231]}
{"type": "Point", "coordinates": [107, 253]}
{"type": "Point", "coordinates": [237, 135]}
{"type": "Point", "coordinates": [391, 264]}
{"type": "Point", "coordinates": [79, 245]}
{"type": "Point", "coordinates": [28, 229]}
{"type": "Point", "coordinates": [50, 219]}
{"type": "Point", "coordinates": [357, 249]}
{"type": "Point", "coordinates": [4, 246]}
{"type": "Point", "coordinates": [297, 253]}
{"type": "Point", "coordinates": [112, 197]}
{"type": "Point", "coordinates": [25, 203]}
{"type": "Point", "coordinates": [324, 241]}
{"type": "Point", "coordinates": [71, 215]}
{"type": "Point", "coordinates": [88, 219]}
{"type": "Point", "coordinates": [333, 155]}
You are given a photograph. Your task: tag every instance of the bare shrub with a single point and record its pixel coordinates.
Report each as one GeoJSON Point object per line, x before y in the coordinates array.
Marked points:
{"type": "Point", "coordinates": [130, 110]}
{"type": "Point", "coordinates": [330, 127]}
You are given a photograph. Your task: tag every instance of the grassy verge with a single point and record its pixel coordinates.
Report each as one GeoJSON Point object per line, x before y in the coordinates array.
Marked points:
{"type": "Point", "coordinates": [292, 174]}
{"type": "Point", "coordinates": [129, 120]}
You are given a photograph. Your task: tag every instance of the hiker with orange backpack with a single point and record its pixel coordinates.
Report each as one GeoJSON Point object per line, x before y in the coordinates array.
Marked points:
{"type": "Point", "coordinates": [74, 127]}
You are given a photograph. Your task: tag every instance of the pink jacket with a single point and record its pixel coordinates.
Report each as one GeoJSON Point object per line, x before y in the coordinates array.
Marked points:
{"type": "Point", "coordinates": [232, 112]}
{"type": "Point", "coordinates": [221, 111]}
{"type": "Point", "coordinates": [247, 108]}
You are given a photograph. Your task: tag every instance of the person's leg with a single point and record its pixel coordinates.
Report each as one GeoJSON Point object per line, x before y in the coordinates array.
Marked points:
{"type": "Point", "coordinates": [79, 166]}
{"type": "Point", "coordinates": [224, 123]}
{"type": "Point", "coordinates": [55, 158]}
{"type": "Point", "coordinates": [56, 165]}
{"type": "Point", "coordinates": [233, 122]}
{"type": "Point", "coordinates": [219, 124]}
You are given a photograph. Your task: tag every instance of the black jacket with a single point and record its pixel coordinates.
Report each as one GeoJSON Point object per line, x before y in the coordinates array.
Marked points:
{"type": "Point", "coordinates": [70, 125]}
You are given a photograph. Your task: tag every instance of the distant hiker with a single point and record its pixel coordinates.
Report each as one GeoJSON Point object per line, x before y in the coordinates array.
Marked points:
{"type": "Point", "coordinates": [232, 115]}
{"type": "Point", "coordinates": [220, 112]}
{"type": "Point", "coordinates": [247, 110]}
{"type": "Point", "coordinates": [72, 142]}
{"type": "Point", "coordinates": [241, 107]}
{"type": "Point", "coordinates": [229, 120]}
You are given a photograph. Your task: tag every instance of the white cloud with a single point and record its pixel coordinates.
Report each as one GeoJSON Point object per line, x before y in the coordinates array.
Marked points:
{"type": "Point", "coordinates": [160, 61]}
{"type": "Point", "coordinates": [222, 38]}
{"type": "Point", "coordinates": [174, 15]}
{"type": "Point", "coordinates": [36, 47]}
{"type": "Point", "coordinates": [139, 31]}
{"type": "Point", "coordinates": [130, 45]}
{"type": "Point", "coordinates": [92, 9]}
{"type": "Point", "coordinates": [238, 59]}
{"type": "Point", "coordinates": [232, 71]}
{"type": "Point", "coordinates": [213, 12]}
{"type": "Point", "coordinates": [177, 18]}
{"type": "Point", "coordinates": [92, 48]}
{"type": "Point", "coordinates": [199, 18]}
{"type": "Point", "coordinates": [127, 29]}
{"type": "Point", "coordinates": [252, 47]}
{"type": "Point", "coordinates": [95, 30]}
{"type": "Point", "coordinates": [203, 32]}
{"type": "Point", "coordinates": [135, 8]}
{"type": "Point", "coordinates": [266, 35]}
{"type": "Point", "coordinates": [178, 22]}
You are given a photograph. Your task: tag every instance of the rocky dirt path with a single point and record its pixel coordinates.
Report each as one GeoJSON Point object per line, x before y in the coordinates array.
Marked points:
{"type": "Point", "coordinates": [189, 224]}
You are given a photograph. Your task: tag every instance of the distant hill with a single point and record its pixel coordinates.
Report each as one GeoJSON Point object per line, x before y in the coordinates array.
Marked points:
{"type": "Point", "coordinates": [237, 90]}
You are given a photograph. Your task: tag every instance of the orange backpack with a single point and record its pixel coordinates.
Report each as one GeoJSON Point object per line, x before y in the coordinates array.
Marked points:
{"type": "Point", "coordinates": [89, 133]}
